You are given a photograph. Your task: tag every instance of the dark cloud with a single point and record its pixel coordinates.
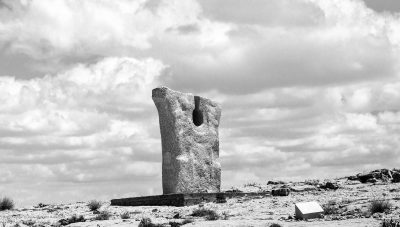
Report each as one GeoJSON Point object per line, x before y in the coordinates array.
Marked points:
{"type": "Point", "coordinates": [267, 13]}
{"type": "Point", "coordinates": [384, 5]}
{"type": "Point", "coordinates": [152, 4]}
{"type": "Point", "coordinates": [190, 28]}
{"type": "Point", "coordinates": [3, 4]}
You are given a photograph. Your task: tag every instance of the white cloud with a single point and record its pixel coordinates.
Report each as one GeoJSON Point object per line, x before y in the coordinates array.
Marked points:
{"type": "Point", "coordinates": [344, 42]}
{"type": "Point", "coordinates": [83, 125]}
{"type": "Point", "coordinates": [44, 29]}
{"type": "Point", "coordinates": [308, 88]}
{"type": "Point", "coordinates": [314, 132]}
{"type": "Point", "coordinates": [288, 43]}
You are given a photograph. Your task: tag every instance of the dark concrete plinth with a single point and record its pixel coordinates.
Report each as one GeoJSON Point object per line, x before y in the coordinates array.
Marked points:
{"type": "Point", "coordinates": [181, 199]}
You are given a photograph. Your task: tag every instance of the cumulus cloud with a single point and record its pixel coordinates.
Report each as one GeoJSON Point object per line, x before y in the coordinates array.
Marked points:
{"type": "Point", "coordinates": [280, 43]}
{"type": "Point", "coordinates": [58, 33]}
{"type": "Point", "coordinates": [342, 42]}
{"type": "Point", "coordinates": [308, 89]}
{"type": "Point", "coordinates": [87, 124]}
{"type": "Point", "coordinates": [319, 132]}
{"type": "Point", "coordinates": [384, 5]}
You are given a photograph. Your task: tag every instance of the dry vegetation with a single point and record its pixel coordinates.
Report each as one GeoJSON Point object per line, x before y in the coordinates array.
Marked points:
{"type": "Point", "coordinates": [6, 203]}
{"type": "Point", "coordinates": [94, 205]}
{"type": "Point", "coordinates": [346, 202]}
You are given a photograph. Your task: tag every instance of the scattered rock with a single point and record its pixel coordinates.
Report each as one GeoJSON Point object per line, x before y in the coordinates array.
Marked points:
{"type": "Point", "coordinates": [235, 190]}
{"type": "Point", "coordinates": [330, 185]}
{"type": "Point", "coordinates": [382, 175]}
{"type": "Point", "coordinates": [377, 215]}
{"type": "Point", "coordinates": [396, 177]}
{"type": "Point", "coordinates": [353, 178]}
{"type": "Point", "coordinates": [275, 182]}
{"type": "Point", "coordinates": [41, 205]}
{"type": "Point", "coordinates": [352, 205]}
{"type": "Point", "coordinates": [176, 216]}
{"type": "Point", "coordinates": [394, 190]}
{"type": "Point", "coordinates": [303, 188]}
{"type": "Point", "coordinates": [390, 223]}
{"type": "Point", "coordinates": [280, 192]}
{"type": "Point", "coordinates": [71, 220]}
{"type": "Point", "coordinates": [386, 178]}
{"type": "Point", "coordinates": [387, 172]}
{"type": "Point", "coordinates": [371, 180]}
{"type": "Point", "coordinates": [363, 178]}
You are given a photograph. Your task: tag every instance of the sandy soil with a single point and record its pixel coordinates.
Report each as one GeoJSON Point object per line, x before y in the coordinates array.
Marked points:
{"type": "Point", "coordinates": [352, 200]}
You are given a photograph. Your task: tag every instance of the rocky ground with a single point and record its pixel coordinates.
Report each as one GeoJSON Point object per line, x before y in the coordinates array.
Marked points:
{"type": "Point", "coordinates": [346, 201]}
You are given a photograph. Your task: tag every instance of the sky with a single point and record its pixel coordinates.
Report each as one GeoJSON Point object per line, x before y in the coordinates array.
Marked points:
{"type": "Point", "coordinates": [308, 89]}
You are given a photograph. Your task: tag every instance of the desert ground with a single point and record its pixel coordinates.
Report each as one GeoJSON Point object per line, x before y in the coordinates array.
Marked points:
{"type": "Point", "coordinates": [347, 202]}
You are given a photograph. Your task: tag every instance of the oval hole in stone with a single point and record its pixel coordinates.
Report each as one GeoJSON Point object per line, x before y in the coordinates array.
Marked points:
{"type": "Point", "coordinates": [197, 114]}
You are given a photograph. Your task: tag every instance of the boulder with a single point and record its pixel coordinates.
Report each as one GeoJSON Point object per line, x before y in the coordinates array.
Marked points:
{"type": "Point", "coordinates": [190, 143]}
{"type": "Point", "coordinates": [280, 192]}
{"type": "Point", "coordinates": [364, 177]}
{"type": "Point", "coordinates": [395, 177]}
{"type": "Point", "coordinates": [330, 185]}
{"type": "Point", "coordinates": [386, 178]}
{"type": "Point", "coordinates": [371, 180]}
{"type": "Point", "coordinates": [386, 172]}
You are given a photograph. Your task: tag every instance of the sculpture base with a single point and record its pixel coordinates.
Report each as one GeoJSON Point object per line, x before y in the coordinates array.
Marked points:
{"type": "Point", "coordinates": [186, 199]}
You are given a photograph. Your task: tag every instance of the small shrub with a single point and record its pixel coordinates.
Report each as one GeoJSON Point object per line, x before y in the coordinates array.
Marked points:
{"type": "Point", "coordinates": [146, 222]}
{"type": "Point", "coordinates": [125, 215]}
{"type": "Point", "coordinates": [94, 205]}
{"type": "Point", "coordinates": [313, 182]}
{"type": "Point", "coordinates": [379, 206]}
{"type": "Point", "coordinates": [29, 222]}
{"type": "Point", "coordinates": [390, 223]}
{"type": "Point", "coordinates": [41, 205]}
{"type": "Point", "coordinates": [275, 225]}
{"type": "Point", "coordinates": [331, 208]}
{"type": "Point", "coordinates": [206, 213]}
{"type": "Point", "coordinates": [73, 219]}
{"type": "Point", "coordinates": [212, 217]}
{"type": "Point", "coordinates": [225, 215]}
{"type": "Point", "coordinates": [6, 203]}
{"type": "Point", "coordinates": [103, 215]}
{"type": "Point", "coordinates": [252, 184]}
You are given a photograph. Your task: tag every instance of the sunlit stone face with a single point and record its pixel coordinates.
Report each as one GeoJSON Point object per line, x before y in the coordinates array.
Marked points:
{"type": "Point", "coordinates": [190, 143]}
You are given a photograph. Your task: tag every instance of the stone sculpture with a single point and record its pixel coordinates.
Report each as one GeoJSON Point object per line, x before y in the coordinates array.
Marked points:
{"type": "Point", "coordinates": [190, 143]}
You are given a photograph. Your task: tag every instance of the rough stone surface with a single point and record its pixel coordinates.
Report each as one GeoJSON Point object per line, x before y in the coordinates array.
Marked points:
{"type": "Point", "coordinates": [396, 177]}
{"type": "Point", "coordinates": [330, 185]}
{"type": "Point", "coordinates": [365, 177]}
{"type": "Point", "coordinates": [280, 192]}
{"type": "Point", "coordinates": [190, 143]}
{"type": "Point", "coordinates": [379, 175]}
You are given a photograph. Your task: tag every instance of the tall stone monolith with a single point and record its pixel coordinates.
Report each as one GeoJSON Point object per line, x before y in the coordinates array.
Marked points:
{"type": "Point", "coordinates": [190, 143]}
